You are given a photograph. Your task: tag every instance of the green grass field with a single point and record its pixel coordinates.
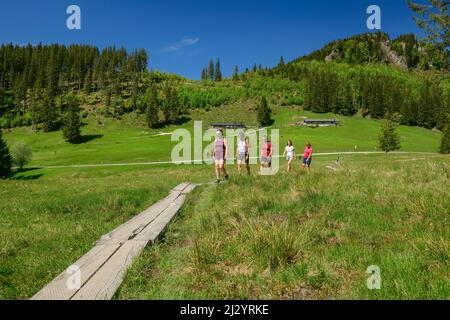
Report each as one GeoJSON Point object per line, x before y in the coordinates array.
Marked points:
{"type": "Point", "coordinates": [287, 236]}
{"type": "Point", "coordinates": [128, 140]}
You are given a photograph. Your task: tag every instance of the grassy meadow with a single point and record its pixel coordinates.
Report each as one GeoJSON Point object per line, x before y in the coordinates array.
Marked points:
{"type": "Point", "coordinates": [128, 140]}
{"type": "Point", "coordinates": [312, 238]}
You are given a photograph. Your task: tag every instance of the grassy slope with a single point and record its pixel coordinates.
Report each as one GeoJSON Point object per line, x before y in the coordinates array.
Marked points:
{"type": "Point", "coordinates": [51, 217]}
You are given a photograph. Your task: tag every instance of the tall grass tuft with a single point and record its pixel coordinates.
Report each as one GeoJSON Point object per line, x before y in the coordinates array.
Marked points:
{"type": "Point", "coordinates": [275, 245]}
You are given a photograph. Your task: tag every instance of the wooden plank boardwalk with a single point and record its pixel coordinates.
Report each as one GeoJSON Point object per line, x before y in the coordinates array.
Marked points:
{"type": "Point", "coordinates": [102, 269]}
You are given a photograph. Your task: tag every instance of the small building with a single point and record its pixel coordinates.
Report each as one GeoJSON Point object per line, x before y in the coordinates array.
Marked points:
{"type": "Point", "coordinates": [320, 122]}
{"type": "Point", "coordinates": [228, 125]}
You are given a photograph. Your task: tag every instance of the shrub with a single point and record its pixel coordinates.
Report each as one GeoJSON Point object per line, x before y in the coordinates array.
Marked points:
{"type": "Point", "coordinates": [21, 154]}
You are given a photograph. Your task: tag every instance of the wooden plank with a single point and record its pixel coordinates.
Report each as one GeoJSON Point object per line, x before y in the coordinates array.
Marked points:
{"type": "Point", "coordinates": [108, 278]}
{"type": "Point", "coordinates": [88, 264]}
{"type": "Point", "coordinates": [154, 229]}
{"type": "Point", "coordinates": [103, 267]}
{"type": "Point", "coordinates": [131, 228]}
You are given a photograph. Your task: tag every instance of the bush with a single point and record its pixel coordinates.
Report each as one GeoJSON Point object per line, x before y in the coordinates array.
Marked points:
{"type": "Point", "coordinates": [5, 123]}
{"type": "Point", "coordinates": [16, 121]}
{"type": "Point", "coordinates": [445, 142]}
{"type": "Point", "coordinates": [21, 154]}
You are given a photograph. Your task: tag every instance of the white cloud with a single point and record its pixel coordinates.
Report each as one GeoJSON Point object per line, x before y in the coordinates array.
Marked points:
{"type": "Point", "coordinates": [185, 42]}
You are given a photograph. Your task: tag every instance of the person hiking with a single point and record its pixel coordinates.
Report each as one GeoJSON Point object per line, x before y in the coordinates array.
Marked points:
{"type": "Point", "coordinates": [220, 155]}
{"type": "Point", "coordinates": [243, 153]}
{"type": "Point", "coordinates": [289, 152]}
{"type": "Point", "coordinates": [266, 154]}
{"type": "Point", "coordinates": [307, 156]}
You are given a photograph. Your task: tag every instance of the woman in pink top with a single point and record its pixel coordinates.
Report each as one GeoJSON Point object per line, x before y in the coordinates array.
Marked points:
{"type": "Point", "coordinates": [220, 155]}
{"type": "Point", "coordinates": [307, 156]}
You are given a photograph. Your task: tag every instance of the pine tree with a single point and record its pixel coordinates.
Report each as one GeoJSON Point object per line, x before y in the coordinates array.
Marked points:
{"type": "Point", "coordinates": [389, 139]}
{"type": "Point", "coordinates": [152, 108]}
{"type": "Point", "coordinates": [236, 73]}
{"type": "Point", "coordinates": [211, 70]}
{"type": "Point", "coordinates": [72, 121]}
{"type": "Point", "coordinates": [5, 158]}
{"type": "Point", "coordinates": [48, 112]}
{"type": "Point", "coordinates": [348, 106]}
{"type": "Point", "coordinates": [263, 113]}
{"type": "Point", "coordinates": [281, 64]}
{"type": "Point", "coordinates": [433, 19]}
{"type": "Point", "coordinates": [171, 106]}
{"type": "Point", "coordinates": [217, 72]}
{"type": "Point", "coordinates": [204, 75]}
{"type": "Point", "coordinates": [445, 142]}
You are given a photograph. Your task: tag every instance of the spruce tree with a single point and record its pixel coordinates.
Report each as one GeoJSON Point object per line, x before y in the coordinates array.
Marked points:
{"type": "Point", "coordinates": [445, 142]}
{"type": "Point", "coordinates": [48, 112]}
{"type": "Point", "coordinates": [281, 64]}
{"type": "Point", "coordinates": [389, 139]}
{"type": "Point", "coordinates": [5, 158]}
{"type": "Point", "coordinates": [236, 73]}
{"type": "Point", "coordinates": [204, 75]}
{"type": "Point", "coordinates": [263, 113]}
{"type": "Point", "coordinates": [72, 121]}
{"type": "Point", "coordinates": [171, 106]}
{"type": "Point", "coordinates": [211, 70]}
{"type": "Point", "coordinates": [432, 17]}
{"type": "Point", "coordinates": [217, 72]}
{"type": "Point", "coordinates": [348, 107]}
{"type": "Point", "coordinates": [152, 108]}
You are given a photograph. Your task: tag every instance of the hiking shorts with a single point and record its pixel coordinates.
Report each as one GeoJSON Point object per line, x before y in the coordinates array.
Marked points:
{"type": "Point", "coordinates": [307, 161]}
{"type": "Point", "coordinates": [242, 156]}
{"type": "Point", "coordinates": [266, 160]}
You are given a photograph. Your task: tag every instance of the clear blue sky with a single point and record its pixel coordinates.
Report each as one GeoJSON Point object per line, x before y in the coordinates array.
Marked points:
{"type": "Point", "coordinates": [181, 36]}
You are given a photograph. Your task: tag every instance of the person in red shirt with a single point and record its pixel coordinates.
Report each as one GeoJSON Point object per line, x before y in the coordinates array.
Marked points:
{"type": "Point", "coordinates": [307, 156]}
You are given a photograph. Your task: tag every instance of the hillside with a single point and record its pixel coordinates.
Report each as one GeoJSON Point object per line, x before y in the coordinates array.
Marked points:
{"type": "Point", "coordinates": [113, 82]}
{"type": "Point", "coordinates": [405, 52]}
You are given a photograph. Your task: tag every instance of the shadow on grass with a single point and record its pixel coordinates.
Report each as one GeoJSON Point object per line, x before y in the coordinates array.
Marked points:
{"type": "Point", "coordinates": [88, 138]}
{"type": "Point", "coordinates": [182, 120]}
{"type": "Point", "coordinates": [19, 175]}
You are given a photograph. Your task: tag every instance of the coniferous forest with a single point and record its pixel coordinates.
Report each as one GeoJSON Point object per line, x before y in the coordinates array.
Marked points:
{"type": "Point", "coordinates": [367, 74]}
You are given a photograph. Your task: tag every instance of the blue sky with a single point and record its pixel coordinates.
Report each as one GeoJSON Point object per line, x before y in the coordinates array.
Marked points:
{"type": "Point", "coordinates": [181, 36]}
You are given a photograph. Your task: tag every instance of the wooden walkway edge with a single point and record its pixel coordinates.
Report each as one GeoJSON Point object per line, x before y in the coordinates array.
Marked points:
{"type": "Point", "coordinates": [100, 271]}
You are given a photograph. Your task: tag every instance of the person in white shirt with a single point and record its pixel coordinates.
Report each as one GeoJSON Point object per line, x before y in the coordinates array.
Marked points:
{"type": "Point", "coordinates": [289, 152]}
{"type": "Point", "coordinates": [243, 153]}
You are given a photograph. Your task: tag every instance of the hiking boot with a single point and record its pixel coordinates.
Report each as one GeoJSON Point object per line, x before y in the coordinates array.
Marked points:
{"type": "Point", "coordinates": [226, 178]}
{"type": "Point", "coordinates": [217, 181]}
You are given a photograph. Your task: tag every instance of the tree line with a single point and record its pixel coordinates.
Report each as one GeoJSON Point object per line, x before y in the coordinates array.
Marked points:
{"type": "Point", "coordinates": [32, 78]}
{"type": "Point", "coordinates": [376, 95]}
